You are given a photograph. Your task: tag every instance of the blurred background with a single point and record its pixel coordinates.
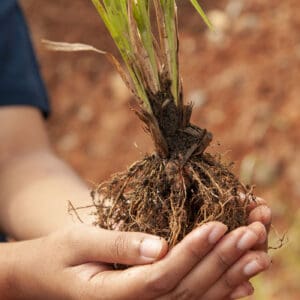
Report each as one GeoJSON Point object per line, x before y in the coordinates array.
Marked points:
{"type": "Point", "coordinates": [244, 81]}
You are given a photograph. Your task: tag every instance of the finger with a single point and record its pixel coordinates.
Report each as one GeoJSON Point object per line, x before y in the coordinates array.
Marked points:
{"type": "Point", "coordinates": [153, 281]}
{"type": "Point", "coordinates": [259, 214]}
{"type": "Point", "coordinates": [221, 258]}
{"type": "Point", "coordinates": [87, 271]}
{"type": "Point", "coordinates": [257, 202]}
{"type": "Point", "coordinates": [243, 290]}
{"type": "Point", "coordinates": [262, 214]}
{"type": "Point", "coordinates": [91, 244]}
{"type": "Point", "coordinates": [248, 266]}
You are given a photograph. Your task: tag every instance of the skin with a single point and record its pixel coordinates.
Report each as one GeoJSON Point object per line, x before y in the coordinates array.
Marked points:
{"type": "Point", "coordinates": [54, 258]}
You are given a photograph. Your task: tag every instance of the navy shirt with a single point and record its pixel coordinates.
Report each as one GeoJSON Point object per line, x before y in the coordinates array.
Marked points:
{"type": "Point", "coordinates": [20, 80]}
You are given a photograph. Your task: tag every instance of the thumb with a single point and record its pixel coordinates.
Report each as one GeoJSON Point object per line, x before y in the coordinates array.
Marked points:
{"type": "Point", "coordinates": [92, 244]}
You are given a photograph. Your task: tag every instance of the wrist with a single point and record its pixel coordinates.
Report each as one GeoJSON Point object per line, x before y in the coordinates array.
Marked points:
{"type": "Point", "coordinates": [8, 264]}
{"type": "Point", "coordinates": [18, 261]}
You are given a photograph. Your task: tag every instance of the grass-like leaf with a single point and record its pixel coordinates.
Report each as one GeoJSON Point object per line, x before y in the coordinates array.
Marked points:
{"type": "Point", "coordinates": [67, 47]}
{"type": "Point", "coordinates": [202, 13]}
{"type": "Point", "coordinates": [149, 61]}
{"type": "Point", "coordinates": [152, 63]}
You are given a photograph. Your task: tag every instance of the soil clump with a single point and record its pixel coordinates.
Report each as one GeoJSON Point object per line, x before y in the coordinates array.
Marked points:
{"type": "Point", "coordinates": [178, 187]}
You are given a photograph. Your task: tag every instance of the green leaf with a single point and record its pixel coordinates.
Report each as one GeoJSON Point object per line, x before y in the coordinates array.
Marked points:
{"type": "Point", "coordinates": [149, 64]}
{"type": "Point", "coordinates": [202, 13]}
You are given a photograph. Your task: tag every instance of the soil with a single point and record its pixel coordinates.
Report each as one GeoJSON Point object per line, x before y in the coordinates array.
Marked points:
{"type": "Point", "coordinates": [244, 84]}
{"type": "Point", "coordinates": [170, 197]}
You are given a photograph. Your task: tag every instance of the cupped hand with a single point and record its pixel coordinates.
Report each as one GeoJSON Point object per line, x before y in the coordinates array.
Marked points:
{"type": "Point", "coordinates": [63, 265]}
{"type": "Point", "coordinates": [76, 263]}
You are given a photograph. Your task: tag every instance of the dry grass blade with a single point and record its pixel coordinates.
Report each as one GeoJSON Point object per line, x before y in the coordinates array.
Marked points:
{"type": "Point", "coordinates": [76, 47]}
{"type": "Point", "coordinates": [70, 47]}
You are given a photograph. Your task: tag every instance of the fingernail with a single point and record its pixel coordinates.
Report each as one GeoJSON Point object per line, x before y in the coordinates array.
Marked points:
{"type": "Point", "coordinates": [247, 240]}
{"type": "Point", "coordinates": [151, 248]}
{"type": "Point", "coordinates": [260, 230]}
{"type": "Point", "coordinates": [241, 292]}
{"type": "Point", "coordinates": [216, 233]}
{"type": "Point", "coordinates": [252, 268]}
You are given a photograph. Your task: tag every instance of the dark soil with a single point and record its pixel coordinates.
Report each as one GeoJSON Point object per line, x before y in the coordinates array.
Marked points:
{"type": "Point", "coordinates": [169, 199]}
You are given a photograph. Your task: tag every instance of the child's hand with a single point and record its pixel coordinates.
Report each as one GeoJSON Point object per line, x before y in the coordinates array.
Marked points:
{"type": "Point", "coordinates": [75, 263]}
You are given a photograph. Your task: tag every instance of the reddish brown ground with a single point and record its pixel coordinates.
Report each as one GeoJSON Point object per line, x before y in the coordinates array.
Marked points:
{"type": "Point", "coordinates": [244, 82]}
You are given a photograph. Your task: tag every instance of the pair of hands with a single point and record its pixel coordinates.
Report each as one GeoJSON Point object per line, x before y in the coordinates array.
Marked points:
{"type": "Point", "coordinates": [75, 263]}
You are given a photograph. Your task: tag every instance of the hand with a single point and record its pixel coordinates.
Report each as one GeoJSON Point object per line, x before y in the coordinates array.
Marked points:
{"type": "Point", "coordinates": [63, 264]}
{"type": "Point", "coordinates": [260, 212]}
{"type": "Point", "coordinates": [222, 271]}
{"type": "Point", "coordinates": [75, 264]}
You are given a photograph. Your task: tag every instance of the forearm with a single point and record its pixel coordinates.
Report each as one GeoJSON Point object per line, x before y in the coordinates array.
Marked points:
{"type": "Point", "coordinates": [35, 188]}
{"type": "Point", "coordinates": [6, 268]}
{"type": "Point", "coordinates": [23, 272]}
{"type": "Point", "coordinates": [11, 261]}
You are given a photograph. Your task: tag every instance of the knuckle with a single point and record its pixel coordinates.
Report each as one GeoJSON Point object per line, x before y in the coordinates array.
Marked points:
{"type": "Point", "coordinates": [119, 247]}
{"type": "Point", "coordinates": [222, 259]}
{"type": "Point", "coordinates": [195, 253]}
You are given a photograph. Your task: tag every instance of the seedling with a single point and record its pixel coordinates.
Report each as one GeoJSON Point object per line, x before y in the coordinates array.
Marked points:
{"type": "Point", "coordinates": [179, 186]}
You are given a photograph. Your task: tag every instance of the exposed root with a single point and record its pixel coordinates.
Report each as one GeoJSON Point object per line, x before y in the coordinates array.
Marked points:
{"type": "Point", "coordinates": [169, 199]}
{"type": "Point", "coordinates": [282, 239]}
{"type": "Point", "coordinates": [170, 193]}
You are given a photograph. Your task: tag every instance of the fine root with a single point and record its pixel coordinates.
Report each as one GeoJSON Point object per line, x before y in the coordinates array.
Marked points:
{"type": "Point", "coordinates": [169, 199]}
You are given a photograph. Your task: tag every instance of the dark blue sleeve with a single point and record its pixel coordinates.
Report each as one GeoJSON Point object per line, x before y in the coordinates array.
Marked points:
{"type": "Point", "coordinates": [20, 79]}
